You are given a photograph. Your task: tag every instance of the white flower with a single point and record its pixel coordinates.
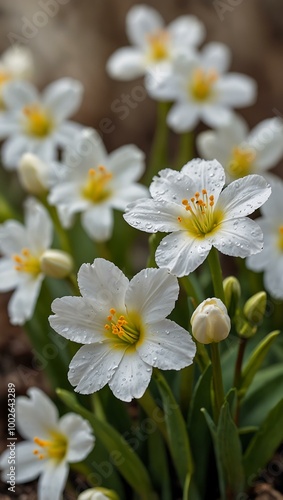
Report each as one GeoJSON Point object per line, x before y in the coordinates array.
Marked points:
{"type": "Point", "coordinates": [38, 124]}
{"type": "Point", "coordinates": [98, 494]}
{"type": "Point", "coordinates": [190, 205]}
{"type": "Point", "coordinates": [154, 45]}
{"type": "Point", "coordinates": [201, 90]}
{"type": "Point", "coordinates": [242, 152]}
{"type": "Point", "coordinates": [122, 324]}
{"type": "Point", "coordinates": [270, 260]}
{"type": "Point", "coordinates": [210, 321]}
{"type": "Point", "coordinates": [23, 249]}
{"type": "Point", "coordinates": [51, 444]}
{"type": "Point", "coordinates": [93, 183]}
{"type": "Point", "coordinates": [16, 63]}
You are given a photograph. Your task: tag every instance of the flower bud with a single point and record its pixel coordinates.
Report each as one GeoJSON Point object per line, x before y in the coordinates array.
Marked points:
{"type": "Point", "coordinates": [232, 292]}
{"type": "Point", "coordinates": [98, 494]}
{"type": "Point", "coordinates": [33, 174]}
{"type": "Point", "coordinates": [254, 308]}
{"type": "Point", "coordinates": [210, 321]}
{"type": "Point", "coordinates": [56, 263]}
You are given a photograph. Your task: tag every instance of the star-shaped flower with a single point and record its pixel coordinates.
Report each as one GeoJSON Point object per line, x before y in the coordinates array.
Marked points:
{"type": "Point", "coordinates": [124, 328]}
{"type": "Point", "coordinates": [190, 205]}
{"type": "Point", "coordinates": [38, 124]}
{"type": "Point", "coordinates": [51, 444]}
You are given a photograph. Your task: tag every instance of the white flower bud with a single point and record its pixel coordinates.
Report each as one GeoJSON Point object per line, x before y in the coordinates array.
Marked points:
{"type": "Point", "coordinates": [98, 494]}
{"type": "Point", "coordinates": [33, 173]}
{"type": "Point", "coordinates": [56, 263]}
{"type": "Point", "coordinates": [210, 321]}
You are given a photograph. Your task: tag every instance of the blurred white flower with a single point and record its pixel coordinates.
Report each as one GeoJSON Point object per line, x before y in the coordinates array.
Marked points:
{"type": "Point", "coordinates": [154, 45]}
{"type": "Point", "coordinates": [270, 260]}
{"type": "Point", "coordinates": [51, 444]}
{"type": "Point", "coordinates": [38, 124]}
{"type": "Point", "coordinates": [201, 90]}
{"type": "Point", "coordinates": [210, 321]}
{"type": "Point", "coordinates": [94, 183]}
{"type": "Point", "coordinates": [190, 205]}
{"type": "Point", "coordinates": [33, 174]}
{"type": "Point", "coordinates": [98, 494]}
{"type": "Point", "coordinates": [242, 152]}
{"type": "Point", "coordinates": [16, 63]}
{"type": "Point", "coordinates": [122, 324]}
{"type": "Point", "coordinates": [23, 249]}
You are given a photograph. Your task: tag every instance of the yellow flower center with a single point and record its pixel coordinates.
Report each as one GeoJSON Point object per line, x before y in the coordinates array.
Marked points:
{"type": "Point", "coordinates": [201, 217]}
{"type": "Point", "coordinates": [123, 328]}
{"type": "Point", "coordinates": [280, 239]}
{"type": "Point", "coordinates": [54, 448]}
{"type": "Point", "coordinates": [26, 262]}
{"type": "Point", "coordinates": [201, 85]}
{"type": "Point", "coordinates": [241, 162]}
{"type": "Point", "coordinates": [95, 188]}
{"type": "Point", "coordinates": [158, 45]}
{"type": "Point", "coordinates": [38, 122]}
{"type": "Point", "coordinates": [4, 77]}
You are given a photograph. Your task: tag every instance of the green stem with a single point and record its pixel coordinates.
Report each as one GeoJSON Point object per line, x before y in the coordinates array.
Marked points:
{"type": "Point", "coordinates": [216, 274]}
{"type": "Point", "coordinates": [217, 380]}
{"type": "Point", "coordinates": [186, 388]}
{"type": "Point", "coordinates": [154, 412]}
{"type": "Point", "coordinates": [158, 154]}
{"type": "Point", "coordinates": [62, 234]}
{"type": "Point", "coordinates": [238, 372]}
{"type": "Point", "coordinates": [186, 151]}
{"type": "Point", "coordinates": [103, 250]}
{"type": "Point", "coordinates": [97, 407]}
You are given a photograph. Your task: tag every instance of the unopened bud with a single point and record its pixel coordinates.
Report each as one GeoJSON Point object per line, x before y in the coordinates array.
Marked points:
{"type": "Point", "coordinates": [254, 308]}
{"type": "Point", "coordinates": [56, 263]}
{"type": "Point", "coordinates": [33, 174]}
{"type": "Point", "coordinates": [232, 292]}
{"type": "Point", "coordinates": [210, 321]}
{"type": "Point", "coordinates": [98, 494]}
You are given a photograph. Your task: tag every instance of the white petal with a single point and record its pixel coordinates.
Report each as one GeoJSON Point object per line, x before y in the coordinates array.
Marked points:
{"type": "Point", "coordinates": [80, 437]}
{"type": "Point", "coordinates": [236, 90]}
{"type": "Point", "coordinates": [207, 175]}
{"type": "Point", "coordinates": [63, 97]}
{"type": "Point", "coordinates": [131, 377]}
{"type": "Point", "coordinates": [266, 139]}
{"type": "Point", "coordinates": [273, 280]}
{"type": "Point", "coordinates": [67, 197]}
{"type": "Point", "coordinates": [104, 282]}
{"type": "Point", "coordinates": [187, 31]}
{"type": "Point", "coordinates": [127, 195]}
{"type": "Point", "coordinates": [23, 301]}
{"type": "Point", "coordinates": [243, 196]}
{"type": "Point", "coordinates": [141, 21]}
{"type": "Point", "coordinates": [76, 319]}
{"type": "Point", "coordinates": [12, 237]}
{"type": "Point", "coordinates": [183, 117]}
{"type": "Point", "coordinates": [45, 149]}
{"type": "Point", "coordinates": [67, 132]}
{"type": "Point", "coordinates": [125, 64]}
{"type": "Point", "coordinates": [28, 466]}
{"type": "Point", "coordinates": [37, 414]}
{"type": "Point", "coordinates": [261, 261]}
{"type": "Point", "coordinates": [88, 151]}
{"type": "Point", "coordinates": [12, 151]}
{"type": "Point", "coordinates": [152, 293]}
{"type": "Point", "coordinates": [152, 216]}
{"type": "Point", "coordinates": [162, 85]}
{"type": "Point", "coordinates": [39, 225]}
{"type": "Point", "coordinates": [19, 94]}
{"type": "Point", "coordinates": [8, 275]}
{"type": "Point", "coordinates": [238, 237]}
{"type": "Point", "coordinates": [216, 115]}
{"type": "Point", "coordinates": [127, 164]}
{"type": "Point", "coordinates": [98, 222]}
{"type": "Point", "coordinates": [181, 254]}
{"type": "Point", "coordinates": [216, 56]}
{"type": "Point", "coordinates": [273, 207]}
{"type": "Point", "coordinates": [52, 481]}
{"type": "Point", "coordinates": [172, 186]}
{"type": "Point", "coordinates": [167, 346]}
{"type": "Point", "coordinates": [94, 365]}
{"type": "Point", "coordinates": [9, 125]}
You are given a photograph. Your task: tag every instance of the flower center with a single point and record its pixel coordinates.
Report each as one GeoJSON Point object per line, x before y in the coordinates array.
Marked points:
{"type": "Point", "coordinates": [280, 239]}
{"type": "Point", "coordinates": [201, 85]}
{"type": "Point", "coordinates": [241, 162]}
{"type": "Point", "coordinates": [95, 188]}
{"type": "Point", "coordinates": [158, 45]}
{"type": "Point", "coordinates": [55, 448]}
{"type": "Point", "coordinates": [118, 325]}
{"type": "Point", "coordinates": [26, 262]}
{"type": "Point", "coordinates": [201, 217]}
{"type": "Point", "coordinates": [38, 122]}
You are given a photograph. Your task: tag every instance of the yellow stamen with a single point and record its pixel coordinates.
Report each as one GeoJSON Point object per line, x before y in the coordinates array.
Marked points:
{"type": "Point", "coordinates": [158, 45]}
{"type": "Point", "coordinates": [201, 86]}
{"type": "Point", "coordinates": [202, 217]}
{"type": "Point", "coordinates": [96, 188]}
{"type": "Point", "coordinates": [54, 448]}
{"type": "Point", "coordinates": [241, 163]}
{"type": "Point", "coordinates": [121, 327]}
{"type": "Point", "coordinates": [280, 239]}
{"type": "Point", "coordinates": [26, 262]}
{"type": "Point", "coordinates": [37, 121]}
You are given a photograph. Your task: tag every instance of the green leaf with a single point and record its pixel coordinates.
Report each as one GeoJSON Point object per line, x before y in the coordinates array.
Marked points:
{"type": "Point", "coordinates": [177, 433]}
{"type": "Point", "coordinates": [265, 441]}
{"type": "Point", "coordinates": [255, 361]}
{"type": "Point", "coordinates": [126, 460]}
